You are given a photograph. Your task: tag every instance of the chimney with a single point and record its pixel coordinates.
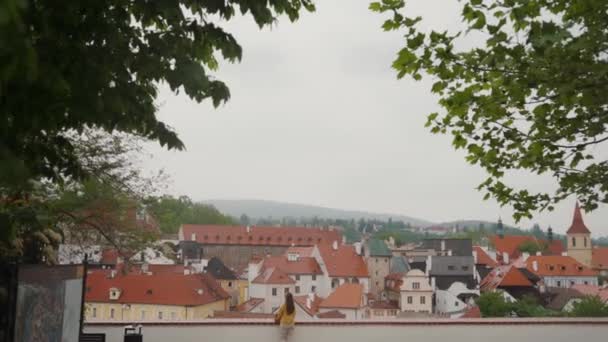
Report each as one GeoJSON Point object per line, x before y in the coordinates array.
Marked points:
{"type": "Point", "coordinates": [334, 245]}
{"type": "Point", "coordinates": [343, 239]}
{"type": "Point", "coordinates": [248, 229]}
{"type": "Point", "coordinates": [193, 237]}
{"type": "Point", "coordinates": [475, 256]}
{"type": "Point", "coordinates": [535, 265]}
{"type": "Point", "coordinates": [443, 245]}
{"type": "Point", "coordinates": [505, 257]}
{"type": "Point", "coordinates": [429, 260]}
{"type": "Point", "coordinates": [144, 268]}
{"type": "Point", "coordinates": [550, 234]}
{"type": "Point", "coordinates": [500, 230]}
{"type": "Point", "coordinates": [539, 253]}
{"type": "Point", "coordinates": [449, 252]}
{"type": "Point", "coordinates": [525, 256]}
{"type": "Point", "coordinates": [564, 253]}
{"type": "Point", "coordinates": [433, 283]}
{"type": "Point", "coordinates": [112, 274]}
{"type": "Point", "coordinates": [357, 247]}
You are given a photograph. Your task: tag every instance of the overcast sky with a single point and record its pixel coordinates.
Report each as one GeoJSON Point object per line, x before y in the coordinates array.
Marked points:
{"type": "Point", "coordinates": [318, 117]}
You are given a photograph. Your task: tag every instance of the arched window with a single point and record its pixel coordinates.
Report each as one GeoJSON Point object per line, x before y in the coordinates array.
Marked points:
{"type": "Point", "coordinates": [573, 242]}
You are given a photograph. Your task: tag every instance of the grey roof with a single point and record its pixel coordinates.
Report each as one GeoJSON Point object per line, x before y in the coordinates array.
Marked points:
{"type": "Point", "coordinates": [452, 265]}
{"type": "Point", "coordinates": [559, 297]}
{"type": "Point", "coordinates": [459, 247]}
{"type": "Point", "coordinates": [399, 265]}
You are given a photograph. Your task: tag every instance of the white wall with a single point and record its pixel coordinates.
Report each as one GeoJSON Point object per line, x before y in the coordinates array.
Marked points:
{"type": "Point", "coordinates": [565, 281]}
{"type": "Point", "coordinates": [305, 283]}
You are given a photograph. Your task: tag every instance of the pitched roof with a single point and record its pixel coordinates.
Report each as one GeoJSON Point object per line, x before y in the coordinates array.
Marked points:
{"type": "Point", "coordinates": [305, 251]}
{"type": "Point", "coordinates": [509, 244]}
{"type": "Point", "coordinates": [578, 226]}
{"type": "Point", "coordinates": [160, 289]}
{"type": "Point", "coordinates": [459, 247]}
{"type": "Point", "coordinates": [504, 276]}
{"type": "Point", "coordinates": [315, 301]}
{"type": "Point", "coordinates": [346, 296]}
{"type": "Point", "coordinates": [452, 265]}
{"type": "Point", "coordinates": [599, 258]}
{"type": "Point", "coordinates": [399, 265]}
{"type": "Point", "coordinates": [557, 265]}
{"type": "Point", "coordinates": [591, 290]}
{"type": "Point", "coordinates": [473, 312]}
{"type": "Point", "coordinates": [483, 258]}
{"type": "Point", "coordinates": [559, 297]}
{"type": "Point", "coordinates": [378, 248]}
{"type": "Point", "coordinates": [273, 275]}
{"type": "Point", "coordinates": [303, 265]}
{"type": "Point", "coordinates": [216, 267]}
{"type": "Point", "coordinates": [331, 314]}
{"type": "Point", "coordinates": [343, 261]}
{"type": "Point", "coordinates": [258, 236]}
{"type": "Point", "coordinates": [249, 305]}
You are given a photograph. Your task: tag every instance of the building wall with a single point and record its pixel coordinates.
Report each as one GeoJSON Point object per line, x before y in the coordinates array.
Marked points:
{"type": "Point", "coordinates": [271, 302]}
{"type": "Point", "coordinates": [353, 314]}
{"type": "Point", "coordinates": [582, 252]}
{"type": "Point", "coordinates": [237, 255]}
{"type": "Point", "coordinates": [422, 290]}
{"type": "Point", "coordinates": [96, 311]}
{"type": "Point", "coordinates": [379, 268]}
{"type": "Point", "coordinates": [306, 282]}
{"type": "Point", "coordinates": [565, 281]}
{"type": "Point", "coordinates": [380, 313]}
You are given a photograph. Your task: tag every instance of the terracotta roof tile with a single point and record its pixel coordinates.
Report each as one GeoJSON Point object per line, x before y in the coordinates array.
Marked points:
{"type": "Point", "coordinates": [331, 314]}
{"type": "Point", "coordinates": [346, 296]}
{"type": "Point", "coordinates": [303, 265]}
{"type": "Point", "coordinates": [599, 258]}
{"type": "Point", "coordinates": [504, 276]}
{"type": "Point", "coordinates": [314, 303]}
{"type": "Point", "coordinates": [483, 258]}
{"type": "Point", "coordinates": [510, 244]}
{"type": "Point", "coordinates": [249, 305]}
{"type": "Point", "coordinates": [558, 265]}
{"type": "Point", "coordinates": [343, 261]}
{"type": "Point", "coordinates": [162, 289]}
{"type": "Point", "coordinates": [578, 225]}
{"type": "Point", "coordinates": [473, 312]}
{"type": "Point", "coordinates": [591, 290]}
{"type": "Point", "coordinates": [259, 236]}
{"type": "Point", "coordinates": [273, 276]}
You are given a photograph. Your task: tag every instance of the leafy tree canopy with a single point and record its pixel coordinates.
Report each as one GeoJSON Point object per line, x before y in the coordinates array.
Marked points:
{"type": "Point", "coordinates": [69, 65]}
{"type": "Point", "coordinates": [172, 212]}
{"type": "Point", "coordinates": [529, 96]}
{"type": "Point", "coordinates": [590, 306]}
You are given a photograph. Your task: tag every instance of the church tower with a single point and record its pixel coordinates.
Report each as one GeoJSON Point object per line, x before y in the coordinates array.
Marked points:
{"type": "Point", "coordinates": [579, 239]}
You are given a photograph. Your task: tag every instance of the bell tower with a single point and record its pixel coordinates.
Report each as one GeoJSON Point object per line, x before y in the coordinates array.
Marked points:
{"type": "Point", "coordinates": [579, 239]}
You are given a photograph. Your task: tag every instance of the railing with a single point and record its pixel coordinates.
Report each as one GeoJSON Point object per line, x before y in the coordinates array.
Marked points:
{"type": "Point", "coordinates": [438, 330]}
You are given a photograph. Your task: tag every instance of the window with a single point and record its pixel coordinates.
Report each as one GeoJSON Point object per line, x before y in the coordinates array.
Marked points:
{"type": "Point", "coordinates": [456, 303]}
{"type": "Point", "coordinates": [378, 312]}
{"type": "Point", "coordinates": [112, 313]}
{"type": "Point", "coordinates": [376, 260]}
{"type": "Point", "coordinates": [410, 299]}
{"type": "Point", "coordinates": [229, 284]}
{"type": "Point", "coordinates": [586, 282]}
{"type": "Point", "coordinates": [143, 315]}
{"type": "Point", "coordinates": [451, 267]}
{"type": "Point", "coordinates": [297, 289]}
{"type": "Point", "coordinates": [160, 315]}
{"type": "Point", "coordinates": [173, 316]}
{"type": "Point", "coordinates": [573, 242]}
{"type": "Point", "coordinates": [376, 273]}
{"type": "Point", "coordinates": [559, 283]}
{"type": "Point", "coordinates": [386, 261]}
{"type": "Point", "coordinates": [94, 312]}
{"type": "Point", "coordinates": [274, 291]}
{"type": "Point", "coordinates": [465, 268]}
{"type": "Point", "coordinates": [297, 277]}
{"type": "Point", "coordinates": [286, 291]}
{"type": "Point", "coordinates": [377, 283]}
{"type": "Point", "coordinates": [422, 300]}
{"type": "Point", "coordinates": [571, 283]}
{"type": "Point", "coordinates": [314, 277]}
{"type": "Point", "coordinates": [313, 288]}
{"type": "Point", "coordinates": [416, 285]}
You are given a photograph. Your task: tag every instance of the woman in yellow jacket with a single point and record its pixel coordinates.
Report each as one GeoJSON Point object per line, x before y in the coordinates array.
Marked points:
{"type": "Point", "coordinates": [286, 317]}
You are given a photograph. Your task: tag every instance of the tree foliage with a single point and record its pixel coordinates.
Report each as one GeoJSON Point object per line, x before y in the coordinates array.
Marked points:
{"type": "Point", "coordinates": [590, 306]}
{"type": "Point", "coordinates": [69, 65]}
{"type": "Point", "coordinates": [493, 304]}
{"type": "Point", "coordinates": [172, 212]}
{"type": "Point", "coordinates": [529, 96]}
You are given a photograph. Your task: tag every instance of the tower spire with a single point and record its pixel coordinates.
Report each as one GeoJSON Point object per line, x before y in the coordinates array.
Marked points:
{"type": "Point", "coordinates": [578, 225]}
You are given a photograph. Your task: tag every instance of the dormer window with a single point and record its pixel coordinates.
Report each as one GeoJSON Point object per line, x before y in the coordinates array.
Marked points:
{"type": "Point", "coordinates": [149, 291]}
{"type": "Point", "coordinates": [251, 238]}
{"type": "Point", "coordinates": [217, 237]}
{"type": "Point", "coordinates": [114, 293]}
{"type": "Point", "coordinates": [292, 256]}
{"type": "Point", "coordinates": [228, 238]}
{"type": "Point", "coordinates": [551, 268]}
{"type": "Point", "coordinates": [563, 268]}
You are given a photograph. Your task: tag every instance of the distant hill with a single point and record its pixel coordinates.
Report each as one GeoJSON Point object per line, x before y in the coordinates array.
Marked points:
{"type": "Point", "coordinates": [264, 209]}
{"type": "Point", "coordinates": [475, 224]}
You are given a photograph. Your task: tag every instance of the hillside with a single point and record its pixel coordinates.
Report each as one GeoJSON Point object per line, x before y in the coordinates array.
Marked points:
{"type": "Point", "coordinates": [264, 209]}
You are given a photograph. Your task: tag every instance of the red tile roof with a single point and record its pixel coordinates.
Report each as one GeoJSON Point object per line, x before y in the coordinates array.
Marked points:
{"type": "Point", "coordinates": [483, 258]}
{"type": "Point", "coordinates": [331, 314]}
{"type": "Point", "coordinates": [161, 289]}
{"type": "Point", "coordinates": [558, 265]}
{"type": "Point", "coordinates": [346, 296]}
{"type": "Point", "coordinates": [343, 261]}
{"type": "Point", "coordinates": [249, 305]}
{"type": "Point", "coordinates": [504, 276]}
{"type": "Point", "coordinates": [393, 281]}
{"type": "Point", "coordinates": [510, 244]}
{"type": "Point", "coordinates": [273, 276]}
{"type": "Point", "coordinates": [473, 312]}
{"type": "Point", "coordinates": [305, 265]}
{"type": "Point", "coordinates": [314, 303]}
{"type": "Point", "coordinates": [578, 226]}
{"type": "Point", "coordinates": [259, 236]}
{"type": "Point", "coordinates": [599, 258]}
{"type": "Point", "coordinates": [109, 256]}
{"type": "Point", "coordinates": [590, 290]}
{"type": "Point", "coordinates": [301, 251]}
{"type": "Point", "coordinates": [158, 269]}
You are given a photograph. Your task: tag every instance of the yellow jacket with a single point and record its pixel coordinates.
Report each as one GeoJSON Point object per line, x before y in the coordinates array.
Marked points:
{"type": "Point", "coordinates": [284, 317]}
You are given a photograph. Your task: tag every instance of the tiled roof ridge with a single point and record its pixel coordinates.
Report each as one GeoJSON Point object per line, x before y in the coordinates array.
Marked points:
{"type": "Point", "coordinates": [578, 225]}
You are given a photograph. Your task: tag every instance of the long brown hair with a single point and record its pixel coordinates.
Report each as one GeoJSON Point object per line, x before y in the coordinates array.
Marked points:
{"type": "Point", "coordinates": [289, 303]}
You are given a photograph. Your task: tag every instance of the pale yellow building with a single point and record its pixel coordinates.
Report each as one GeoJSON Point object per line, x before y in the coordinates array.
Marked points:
{"type": "Point", "coordinates": [156, 297]}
